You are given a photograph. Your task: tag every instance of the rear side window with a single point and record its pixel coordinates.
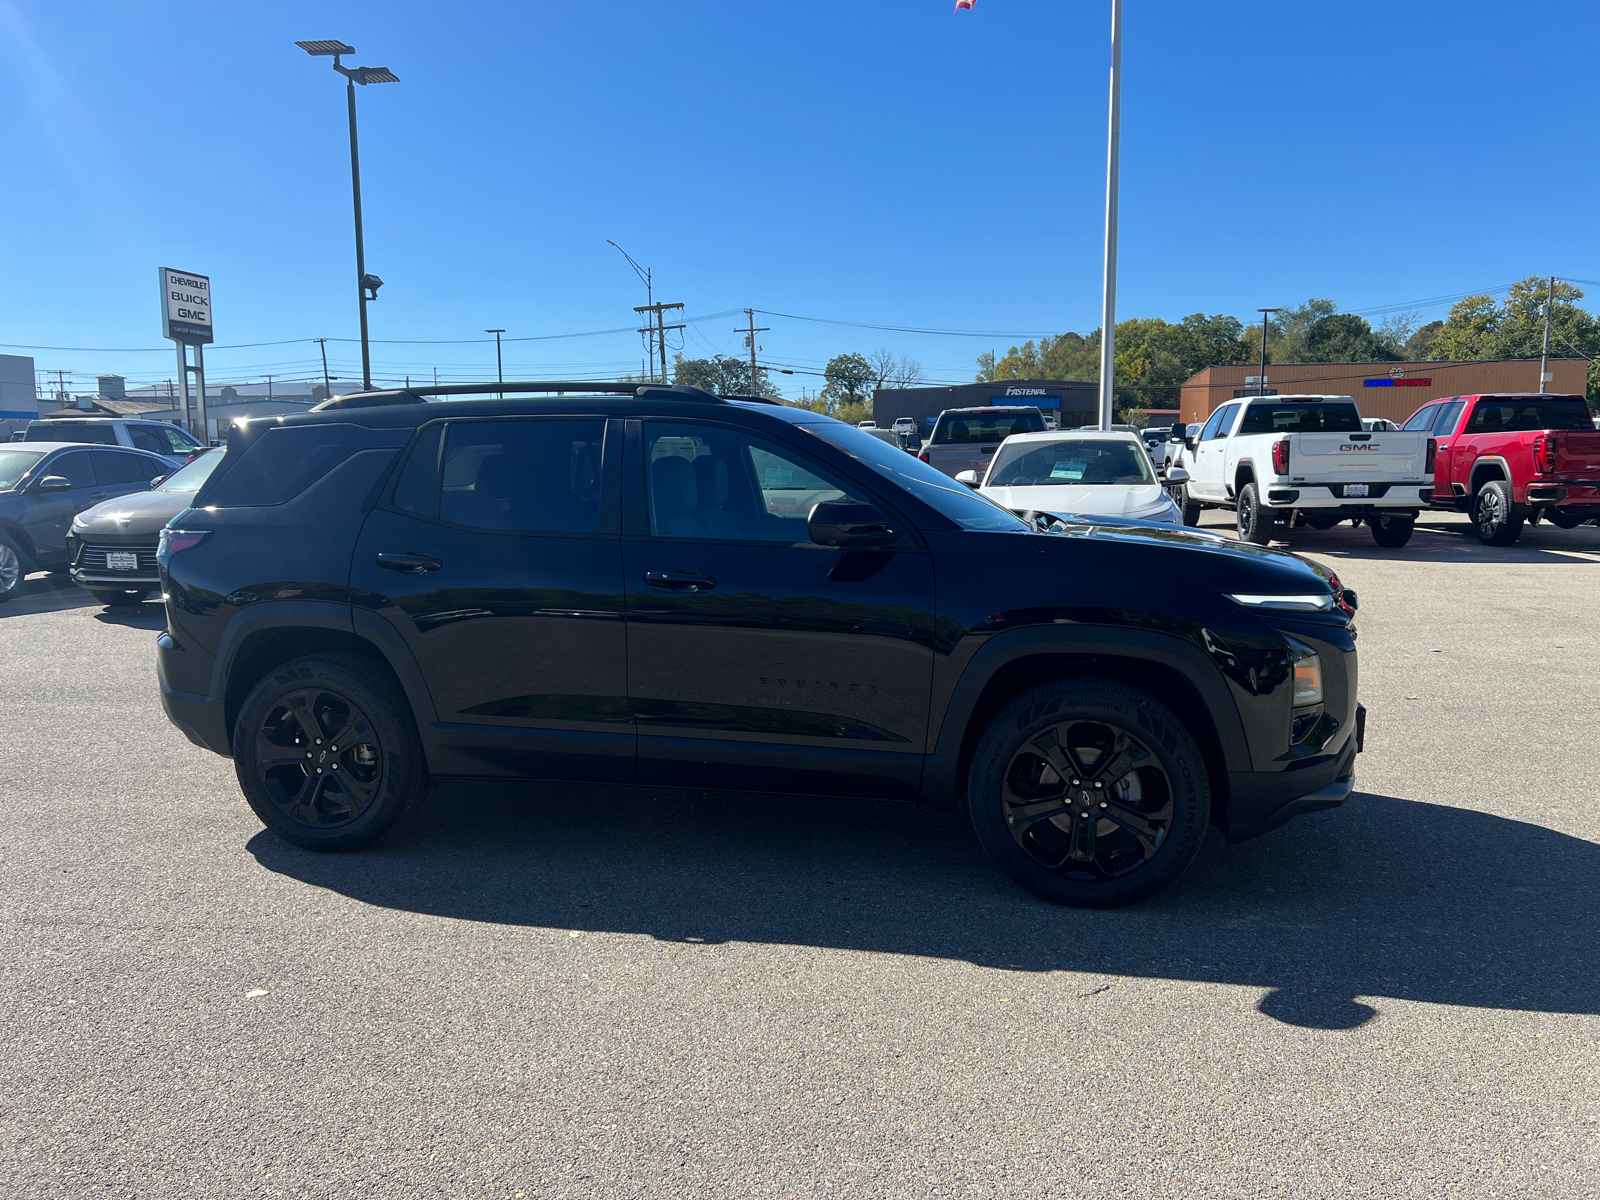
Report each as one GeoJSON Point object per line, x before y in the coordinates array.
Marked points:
{"type": "Point", "coordinates": [284, 463]}
{"type": "Point", "coordinates": [1300, 418]}
{"type": "Point", "coordinates": [115, 469]}
{"type": "Point", "coordinates": [1520, 416]}
{"type": "Point", "coordinates": [528, 476]}
{"type": "Point", "coordinates": [99, 435]}
{"type": "Point", "coordinates": [1449, 414]}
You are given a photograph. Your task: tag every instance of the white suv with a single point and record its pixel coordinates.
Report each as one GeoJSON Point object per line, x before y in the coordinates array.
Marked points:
{"type": "Point", "coordinates": [157, 437]}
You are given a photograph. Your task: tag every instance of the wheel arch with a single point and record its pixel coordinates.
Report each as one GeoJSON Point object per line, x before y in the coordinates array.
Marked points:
{"type": "Point", "coordinates": [1485, 469]}
{"type": "Point", "coordinates": [19, 536]}
{"type": "Point", "coordinates": [1171, 669]}
{"type": "Point", "coordinates": [1244, 473]}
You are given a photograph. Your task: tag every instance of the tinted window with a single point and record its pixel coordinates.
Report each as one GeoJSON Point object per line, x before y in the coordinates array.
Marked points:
{"type": "Point", "coordinates": [102, 435]}
{"type": "Point", "coordinates": [705, 482]}
{"type": "Point", "coordinates": [1214, 425]}
{"type": "Point", "coordinates": [75, 466]}
{"type": "Point", "coordinates": [177, 440]}
{"type": "Point", "coordinates": [1449, 414]}
{"type": "Point", "coordinates": [144, 437]}
{"type": "Point", "coordinates": [284, 463]}
{"type": "Point", "coordinates": [189, 478]}
{"type": "Point", "coordinates": [984, 427]}
{"type": "Point", "coordinates": [529, 476]}
{"type": "Point", "coordinates": [1274, 417]}
{"type": "Point", "coordinates": [1517, 416]}
{"type": "Point", "coordinates": [1080, 460]}
{"type": "Point", "coordinates": [14, 464]}
{"type": "Point", "coordinates": [117, 469]}
{"type": "Point", "coordinates": [938, 491]}
{"type": "Point", "coordinates": [1423, 418]}
{"type": "Point", "coordinates": [418, 489]}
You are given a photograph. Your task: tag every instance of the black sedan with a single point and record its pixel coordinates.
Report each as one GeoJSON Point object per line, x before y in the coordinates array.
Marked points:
{"type": "Point", "coordinates": [44, 485]}
{"type": "Point", "coordinates": [113, 544]}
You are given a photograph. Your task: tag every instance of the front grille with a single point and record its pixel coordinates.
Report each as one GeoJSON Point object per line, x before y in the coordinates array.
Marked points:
{"type": "Point", "coordinates": [93, 558]}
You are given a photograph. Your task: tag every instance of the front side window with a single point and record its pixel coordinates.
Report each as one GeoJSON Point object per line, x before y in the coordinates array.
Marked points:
{"type": "Point", "coordinates": [1422, 419]}
{"type": "Point", "coordinates": [1080, 460]}
{"type": "Point", "coordinates": [178, 442]}
{"type": "Point", "coordinates": [145, 438]}
{"type": "Point", "coordinates": [1270, 417]}
{"type": "Point", "coordinates": [1214, 425]}
{"type": "Point", "coordinates": [704, 481]}
{"type": "Point", "coordinates": [75, 467]}
{"type": "Point", "coordinates": [528, 476]}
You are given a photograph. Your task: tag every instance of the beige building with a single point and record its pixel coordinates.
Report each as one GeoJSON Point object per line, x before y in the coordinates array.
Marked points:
{"type": "Point", "coordinates": [1393, 390]}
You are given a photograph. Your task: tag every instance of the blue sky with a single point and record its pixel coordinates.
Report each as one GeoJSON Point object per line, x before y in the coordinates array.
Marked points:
{"type": "Point", "coordinates": [889, 162]}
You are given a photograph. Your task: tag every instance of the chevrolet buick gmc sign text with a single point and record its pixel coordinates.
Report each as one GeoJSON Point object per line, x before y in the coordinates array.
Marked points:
{"type": "Point", "coordinates": [185, 306]}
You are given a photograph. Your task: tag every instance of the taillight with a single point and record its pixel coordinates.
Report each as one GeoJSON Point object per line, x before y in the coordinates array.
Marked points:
{"type": "Point", "coordinates": [1433, 455]}
{"type": "Point", "coordinates": [1280, 457]}
{"type": "Point", "coordinates": [1544, 453]}
{"type": "Point", "coordinates": [175, 541]}
{"type": "Point", "coordinates": [923, 456]}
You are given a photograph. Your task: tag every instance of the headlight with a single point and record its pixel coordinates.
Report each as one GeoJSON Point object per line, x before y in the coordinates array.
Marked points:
{"type": "Point", "coordinates": [1293, 603]}
{"type": "Point", "coordinates": [1307, 674]}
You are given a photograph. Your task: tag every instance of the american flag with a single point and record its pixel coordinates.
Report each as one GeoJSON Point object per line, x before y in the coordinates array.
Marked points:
{"type": "Point", "coordinates": [960, 4]}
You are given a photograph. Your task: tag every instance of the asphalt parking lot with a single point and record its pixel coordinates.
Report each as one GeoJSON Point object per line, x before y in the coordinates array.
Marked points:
{"type": "Point", "coordinates": [587, 991]}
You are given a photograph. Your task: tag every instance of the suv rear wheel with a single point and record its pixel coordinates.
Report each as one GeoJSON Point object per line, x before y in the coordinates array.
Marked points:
{"type": "Point", "coordinates": [327, 753]}
{"type": "Point", "coordinates": [1089, 792]}
{"type": "Point", "coordinates": [1492, 517]}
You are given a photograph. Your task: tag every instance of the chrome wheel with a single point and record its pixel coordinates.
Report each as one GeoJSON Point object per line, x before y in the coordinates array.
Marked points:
{"type": "Point", "coordinates": [318, 759]}
{"type": "Point", "coordinates": [1491, 512]}
{"type": "Point", "coordinates": [1087, 800]}
{"type": "Point", "coordinates": [10, 568]}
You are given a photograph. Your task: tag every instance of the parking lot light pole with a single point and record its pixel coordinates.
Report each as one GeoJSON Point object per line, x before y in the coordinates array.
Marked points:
{"type": "Point", "coordinates": [1261, 381]}
{"type": "Point", "coordinates": [499, 366]}
{"type": "Point", "coordinates": [1108, 308]}
{"type": "Point", "coordinates": [366, 285]}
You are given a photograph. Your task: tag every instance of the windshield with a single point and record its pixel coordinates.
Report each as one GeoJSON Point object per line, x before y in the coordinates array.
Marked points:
{"type": "Point", "coordinates": [14, 464]}
{"type": "Point", "coordinates": [962, 427]}
{"type": "Point", "coordinates": [1072, 460]}
{"type": "Point", "coordinates": [938, 491]}
{"type": "Point", "coordinates": [189, 478]}
{"type": "Point", "coordinates": [1292, 417]}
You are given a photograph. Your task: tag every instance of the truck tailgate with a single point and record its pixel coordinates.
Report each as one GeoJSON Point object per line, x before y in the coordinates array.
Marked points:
{"type": "Point", "coordinates": [953, 459]}
{"type": "Point", "coordinates": [1358, 456]}
{"type": "Point", "coordinates": [1578, 454]}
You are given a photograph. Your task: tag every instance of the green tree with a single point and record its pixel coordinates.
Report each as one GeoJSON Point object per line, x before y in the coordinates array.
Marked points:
{"type": "Point", "coordinates": [1481, 327]}
{"type": "Point", "coordinates": [1344, 338]}
{"type": "Point", "coordinates": [722, 375]}
{"type": "Point", "coordinates": [849, 382]}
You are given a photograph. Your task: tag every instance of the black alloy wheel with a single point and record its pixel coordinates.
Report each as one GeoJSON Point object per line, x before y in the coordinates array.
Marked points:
{"type": "Point", "coordinates": [327, 753]}
{"type": "Point", "coordinates": [1089, 792]}
{"type": "Point", "coordinates": [1492, 516]}
{"type": "Point", "coordinates": [1253, 521]}
{"type": "Point", "coordinates": [1392, 532]}
{"type": "Point", "coordinates": [1191, 510]}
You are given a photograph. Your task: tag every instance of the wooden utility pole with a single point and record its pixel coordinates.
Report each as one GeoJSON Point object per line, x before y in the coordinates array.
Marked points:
{"type": "Point", "coordinates": [750, 340]}
{"type": "Point", "coordinates": [658, 331]}
{"type": "Point", "coordinates": [1544, 354]}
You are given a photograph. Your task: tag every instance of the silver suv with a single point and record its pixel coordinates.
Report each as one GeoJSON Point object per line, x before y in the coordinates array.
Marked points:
{"type": "Point", "coordinates": [156, 437]}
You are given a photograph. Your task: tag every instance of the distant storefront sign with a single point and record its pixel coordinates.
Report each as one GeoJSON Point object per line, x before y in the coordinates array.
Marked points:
{"type": "Point", "coordinates": [1414, 381]}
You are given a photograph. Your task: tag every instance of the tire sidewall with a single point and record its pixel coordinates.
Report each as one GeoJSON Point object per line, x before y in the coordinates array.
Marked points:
{"type": "Point", "coordinates": [1505, 531]}
{"type": "Point", "coordinates": [22, 568]}
{"type": "Point", "coordinates": [1090, 699]}
{"type": "Point", "coordinates": [1251, 522]}
{"type": "Point", "coordinates": [403, 776]}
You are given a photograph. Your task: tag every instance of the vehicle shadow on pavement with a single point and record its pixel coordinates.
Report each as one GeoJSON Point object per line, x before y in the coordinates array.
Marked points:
{"type": "Point", "coordinates": [45, 594]}
{"type": "Point", "coordinates": [1384, 897]}
{"type": "Point", "coordinates": [1454, 544]}
{"type": "Point", "coordinates": [149, 615]}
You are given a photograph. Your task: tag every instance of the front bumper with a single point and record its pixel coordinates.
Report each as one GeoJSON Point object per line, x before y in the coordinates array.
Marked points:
{"type": "Point", "coordinates": [1261, 802]}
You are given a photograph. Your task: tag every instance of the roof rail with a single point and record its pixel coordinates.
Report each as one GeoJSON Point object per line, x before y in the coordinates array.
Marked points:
{"type": "Point", "coordinates": [420, 394]}
{"type": "Point", "coordinates": [773, 400]}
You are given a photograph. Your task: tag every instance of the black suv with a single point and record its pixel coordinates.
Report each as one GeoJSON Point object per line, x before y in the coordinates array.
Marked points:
{"type": "Point", "coordinates": [662, 586]}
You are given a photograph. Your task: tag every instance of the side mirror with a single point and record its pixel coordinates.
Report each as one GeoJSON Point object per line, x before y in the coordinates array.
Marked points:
{"type": "Point", "coordinates": [1189, 442]}
{"type": "Point", "coordinates": [848, 525]}
{"type": "Point", "coordinates": [970, 478]}
{"type": "Point", "coordinates": [156, 482]}
{"type": "Point", "coordinates": [55, 483]}
{"type": "Point", "coordinates": [1177, 475]}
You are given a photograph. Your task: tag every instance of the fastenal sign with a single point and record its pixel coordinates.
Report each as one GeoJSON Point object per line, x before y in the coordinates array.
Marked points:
{"type": "Point", "coordinates": [185, 307]}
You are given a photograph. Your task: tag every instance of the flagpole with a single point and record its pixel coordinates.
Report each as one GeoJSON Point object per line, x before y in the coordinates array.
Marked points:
{"type": "Point", "coordinates": [1108, 309]}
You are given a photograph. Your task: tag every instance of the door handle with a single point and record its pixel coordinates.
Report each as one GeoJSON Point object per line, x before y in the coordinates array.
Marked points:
{"type": "Point", "coordinates": [97, 495]}
{"type": "Point", "coordinates": [680, 581]}
{"type": "Point", "coordinates": [412, 562]}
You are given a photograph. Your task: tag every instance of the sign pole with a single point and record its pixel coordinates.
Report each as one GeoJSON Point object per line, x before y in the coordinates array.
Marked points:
{"type": "Point", "coordinates": [200, 383]}
{"type": "Point", "coordinates": [183, 383]}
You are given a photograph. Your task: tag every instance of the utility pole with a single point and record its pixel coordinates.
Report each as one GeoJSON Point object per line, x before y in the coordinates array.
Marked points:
{"type": "Point", "coordinates": [269, 389]}
{"type": "Point", "coordinates": [327, 381]}
{"type": "Point", "coordinates": [1108, 307]}
{"type": "Point", "coordinates": [1544, 354]}
{"type": "Point", "coordinates": [659, 311]}
{"type": "Point", "coordinates": [750, 340]}
{"type": "Point", "coordinates": [499, 363]}
{"type": "Point", "coordinates": [1261, 381]}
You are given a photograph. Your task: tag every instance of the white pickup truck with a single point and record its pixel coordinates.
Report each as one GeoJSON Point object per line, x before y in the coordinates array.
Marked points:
{"type": "Point", "coordinates": [1306, 460]}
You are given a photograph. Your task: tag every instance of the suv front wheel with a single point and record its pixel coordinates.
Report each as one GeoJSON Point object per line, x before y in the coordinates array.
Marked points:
{"type": "Point", "coordinates": [1089, 792]}
{"type": "Point", "coordinates": [327, 753]}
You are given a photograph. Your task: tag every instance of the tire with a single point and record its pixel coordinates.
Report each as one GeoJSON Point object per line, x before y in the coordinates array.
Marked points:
{"type": "Point", "coordinates": [119, 599]}
{"type": "Point", "coordinates": [343, 798]}
{"type": "Point", "coordinates": [1492, 517]}
{"type": "Point", "coordinates": [1191, 510]}
{"type": "Point", "coordinates": [13, 567]}
{"type": "Point", "coordinates": [1323, 521]}
{"type": "Point", "coordinates": [1392, 532]}
{"type": "Point", "coordinates": [1564, 519]}
{"type": "Point", "coordinates": [1131, 847]}
{"type": "Point", "coordinates": [1253, 522]}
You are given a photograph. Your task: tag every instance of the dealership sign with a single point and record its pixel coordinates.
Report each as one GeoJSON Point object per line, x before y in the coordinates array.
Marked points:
{"type": "Point", "coordinates": [185, 307]}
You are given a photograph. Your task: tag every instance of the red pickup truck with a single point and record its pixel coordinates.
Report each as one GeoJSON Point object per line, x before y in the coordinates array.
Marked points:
{"type": "Point", "coordinates": [1511, 458]}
